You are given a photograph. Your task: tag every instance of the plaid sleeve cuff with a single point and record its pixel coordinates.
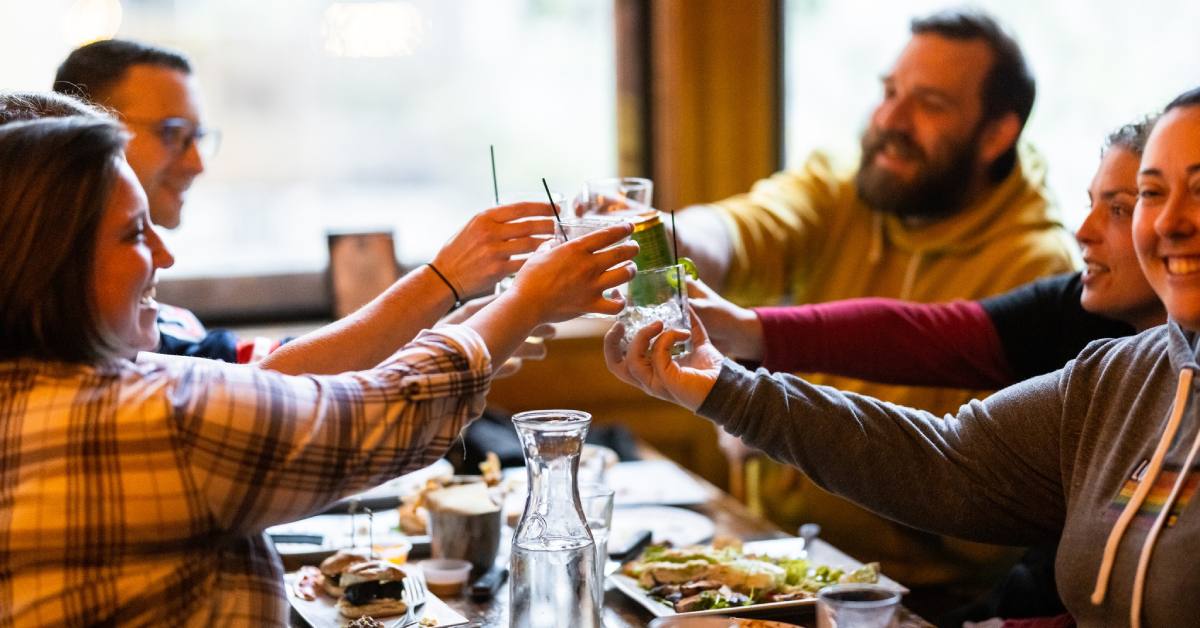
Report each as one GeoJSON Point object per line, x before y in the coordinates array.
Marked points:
{"type": "Point", "coordinates": [453, 361]}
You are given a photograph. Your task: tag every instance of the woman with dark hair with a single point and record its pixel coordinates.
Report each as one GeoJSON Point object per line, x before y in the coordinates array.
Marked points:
{"type": "Point", "coordinates": [1099, 455]}
{"type": "Point", "coordinates": [133, 492]}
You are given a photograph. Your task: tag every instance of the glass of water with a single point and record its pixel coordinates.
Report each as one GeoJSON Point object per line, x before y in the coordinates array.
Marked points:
{"type": "Point", "coordinates": [597, 503]}
{"type": "Point", "coordinates": [654, 295]}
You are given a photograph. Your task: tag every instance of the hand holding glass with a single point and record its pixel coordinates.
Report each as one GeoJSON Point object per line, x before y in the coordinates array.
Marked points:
{"type": "Point", "coordinates": [657, 295]}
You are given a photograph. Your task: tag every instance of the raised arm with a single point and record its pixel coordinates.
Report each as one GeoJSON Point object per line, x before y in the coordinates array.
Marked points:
{"type": "Point", "coordinates": [991, 473]}
{"type": "Point", "coordinates": [889, 341]}
{"type": "Point", "coordinates": [753, 246]}
{"type": "Point", "coordinates": [267, 448]}
{"type": "Point", "coordinates": [875, 339]}
{"type": "Point", "coordinates": [472, 261]}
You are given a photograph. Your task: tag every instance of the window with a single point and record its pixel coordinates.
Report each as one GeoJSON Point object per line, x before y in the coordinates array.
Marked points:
{"type": "Point", "coordinates": [1098, 65]}
{"type": "Point", "coordinates": [357, 115]}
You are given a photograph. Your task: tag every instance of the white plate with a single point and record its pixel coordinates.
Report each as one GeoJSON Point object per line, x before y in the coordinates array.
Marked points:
{"type": "Point", "coordinates": [635, 483]}
{"type": "Point", "coordinates": [337, 532]}
{"type": "Point", "coordinates": [666, 524]}
{"type": "Point", "coordinates": [322, 612]}
{"type": "Point", "coordinates": [820, 553]}
{"type": "Point", "coordinates": [654, 482]}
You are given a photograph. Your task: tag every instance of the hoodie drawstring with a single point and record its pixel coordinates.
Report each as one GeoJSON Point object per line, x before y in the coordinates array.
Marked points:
{"type": "Point", "coordinates": [1139, 497]}
{"type": "Point", "coordinates": [1139, 582]}
{"type": "Point", "coordinates": [875, 253]}
{"type": "Point", "coordinates": [910, 274]}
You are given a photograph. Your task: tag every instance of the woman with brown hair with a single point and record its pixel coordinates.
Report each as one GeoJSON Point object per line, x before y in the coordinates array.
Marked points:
{"type": "Point", "coordinates": [138, 492]}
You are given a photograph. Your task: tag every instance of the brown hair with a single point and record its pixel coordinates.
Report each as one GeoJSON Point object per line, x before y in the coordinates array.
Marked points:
{"type": "Point", "coordinates": [19, 106]}
{"type": "Point", "coordinates": [56, 175]}
{"type": "Point", "coordinates": [1008, 87]}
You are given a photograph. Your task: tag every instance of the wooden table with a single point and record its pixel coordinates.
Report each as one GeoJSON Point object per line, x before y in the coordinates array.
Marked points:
{"type": "Point", "coordinates": [729, 516]}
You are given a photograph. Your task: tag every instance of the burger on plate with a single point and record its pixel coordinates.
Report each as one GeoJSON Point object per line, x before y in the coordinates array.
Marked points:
{"type": "Point", "coordinates": [372, 588]}
{"type": "Point", "coordinates": [333, 567]}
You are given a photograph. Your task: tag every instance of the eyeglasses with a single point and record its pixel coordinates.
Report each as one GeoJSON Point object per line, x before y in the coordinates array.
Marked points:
{"type": "Point", "coordinates": [177, 134]}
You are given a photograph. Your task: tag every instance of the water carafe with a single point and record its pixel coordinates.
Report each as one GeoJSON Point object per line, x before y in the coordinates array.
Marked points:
{"type": "Point", "coordinates": [553, 582]}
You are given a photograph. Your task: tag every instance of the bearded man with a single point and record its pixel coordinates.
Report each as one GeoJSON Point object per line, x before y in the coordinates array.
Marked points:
{"type": "Point", "coordinates": [942, 204]}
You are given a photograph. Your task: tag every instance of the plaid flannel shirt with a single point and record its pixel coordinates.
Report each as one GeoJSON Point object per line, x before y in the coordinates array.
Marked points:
{"type": "Point", "coordinates": [137, 494]}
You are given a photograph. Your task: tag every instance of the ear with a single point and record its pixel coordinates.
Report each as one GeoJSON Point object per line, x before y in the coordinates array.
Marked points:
{"type": "Point", "coordinates": [998, 136]}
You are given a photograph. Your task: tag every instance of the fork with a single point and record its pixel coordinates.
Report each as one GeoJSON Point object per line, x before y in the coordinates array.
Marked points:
{"type": "Point", "coordinates": [415, 589]}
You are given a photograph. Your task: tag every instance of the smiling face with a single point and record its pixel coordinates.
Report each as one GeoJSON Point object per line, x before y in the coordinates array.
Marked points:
{"type": "Point", "coordinates": [128, 253]}
{"type": "Point", "coordinates": [145, 96]}
{"type": "Point", "coordinates": [1113, 283]}
{"type": "Point", "coordinates": [927, 144]}
{"type": "Point", "coordinates": [1166, 223]}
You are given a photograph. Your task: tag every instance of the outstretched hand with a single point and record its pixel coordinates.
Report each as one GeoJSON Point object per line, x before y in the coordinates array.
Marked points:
{"type": "Point", "coordinates": [648, 364]}
{"type": "Point", "coordinates": [733, 330]}
{"type": "Point", "coordinates": [480, 254]}
{"type": "Point", "coordinates": [570, 279]}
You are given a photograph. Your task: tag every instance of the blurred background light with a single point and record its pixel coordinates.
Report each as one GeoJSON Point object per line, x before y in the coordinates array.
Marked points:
{"type": "Point", "coordinates": [372, 29]}
{"type": "Point", "coordinates": [92, 20]}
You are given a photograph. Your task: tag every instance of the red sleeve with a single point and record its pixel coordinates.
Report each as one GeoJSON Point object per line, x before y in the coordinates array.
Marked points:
{"type": "Point", "coordinates": [884, 340]}
{"type": "Point", "coordinates": [251, 351]}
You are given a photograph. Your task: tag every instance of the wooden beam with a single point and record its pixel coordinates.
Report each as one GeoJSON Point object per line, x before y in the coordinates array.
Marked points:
{"type": "Point", "coordinates": [715, 97]}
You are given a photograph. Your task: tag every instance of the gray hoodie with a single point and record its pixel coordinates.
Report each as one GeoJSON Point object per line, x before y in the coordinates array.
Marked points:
{"type": "Point", "coordinates": [1067, 456]}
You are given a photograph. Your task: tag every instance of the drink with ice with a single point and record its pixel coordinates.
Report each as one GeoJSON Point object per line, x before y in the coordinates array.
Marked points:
{"type": "Point", "coordinates": [657, 295]}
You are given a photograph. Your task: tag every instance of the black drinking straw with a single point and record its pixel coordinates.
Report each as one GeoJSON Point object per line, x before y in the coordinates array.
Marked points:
{"type": "Point", "coordinates": [678, 271]}
{"type": "Point", "coordinates": [674, 238]}
{"type": "Point", "coordinates": [370, 532]}
{"type": "Point", "coordinates": [495, 186]}
{"type": "Point", "coordinates": [554, 206]}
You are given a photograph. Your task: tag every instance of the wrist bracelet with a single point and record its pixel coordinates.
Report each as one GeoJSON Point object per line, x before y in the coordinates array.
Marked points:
{"type": "Point", "coordinates": [457, 300]}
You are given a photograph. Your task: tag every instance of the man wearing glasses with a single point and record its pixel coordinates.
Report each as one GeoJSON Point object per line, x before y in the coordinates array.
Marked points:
{"type": "Point", "coordinates": [153, 91]}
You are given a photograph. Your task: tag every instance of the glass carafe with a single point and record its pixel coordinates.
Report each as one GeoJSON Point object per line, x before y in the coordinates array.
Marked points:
{"type": "Point", "coordinates": [553, 580]}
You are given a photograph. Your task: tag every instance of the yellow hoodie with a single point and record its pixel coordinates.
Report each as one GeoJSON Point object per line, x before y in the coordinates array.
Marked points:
{"type": "Point", "coordinates": [804, 236]}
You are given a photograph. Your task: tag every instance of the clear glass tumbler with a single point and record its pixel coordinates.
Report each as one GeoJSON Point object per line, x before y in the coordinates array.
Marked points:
{"type": "Point", "coordinates": [657, 295]}
{"type": "Point", "coordinates": [553, 568]}
{"type": "Point", "coordinates": [616, 195]}
{"type": "Point", "coordinates": [597, 501]}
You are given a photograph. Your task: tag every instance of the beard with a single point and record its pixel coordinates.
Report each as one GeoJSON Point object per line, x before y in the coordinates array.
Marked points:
{"type": "Point", "coordinates": [939, 188]}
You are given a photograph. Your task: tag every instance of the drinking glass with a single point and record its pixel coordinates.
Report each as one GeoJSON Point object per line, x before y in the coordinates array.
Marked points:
{"type": "Point", "coordinates": [574, 227]}
{"type": "Point", "coordinates": [532, 197]}
{"type": "Point", "coordinates": [616, 195]}
{"type": "Point", "coordinates": [597, 502]}
{"type": "Point", "coordinates": [594, 463]}
{"type": "Point", "coordinates": [657, 295]}
{"type": "Point", "coordinates": [857, 605]}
